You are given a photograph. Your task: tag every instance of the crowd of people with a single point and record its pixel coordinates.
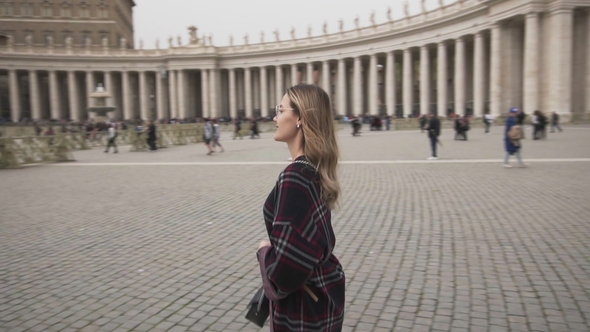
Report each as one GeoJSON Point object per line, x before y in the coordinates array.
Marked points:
{"type": "Point", "coordinates": [513, 131]}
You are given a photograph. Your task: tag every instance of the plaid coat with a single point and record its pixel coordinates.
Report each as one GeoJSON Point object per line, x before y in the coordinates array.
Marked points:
{"type": "Point", "coordinates": [300, 231]}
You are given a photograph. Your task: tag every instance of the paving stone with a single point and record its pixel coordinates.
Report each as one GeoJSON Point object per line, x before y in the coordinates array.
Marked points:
{"type": "Point", "coordinates": [83, 250]}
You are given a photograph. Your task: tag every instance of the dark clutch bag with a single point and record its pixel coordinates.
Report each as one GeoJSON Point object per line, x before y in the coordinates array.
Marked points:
{"type": "Point", "coordinates": [258, 308]}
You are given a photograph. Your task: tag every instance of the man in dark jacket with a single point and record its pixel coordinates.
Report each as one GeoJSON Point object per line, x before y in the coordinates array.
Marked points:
{"type": "Point", "coordinates": [555, 122]}
{"type": "Point", "coordinates": [433, 133]}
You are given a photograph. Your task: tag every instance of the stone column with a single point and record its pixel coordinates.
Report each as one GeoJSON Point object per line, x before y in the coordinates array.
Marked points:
{"type": "Point", "coordinates": [205, 92]}
{"type": "Point", "coordinates": [15, 109]}
{"type": "Point", "coordinates": [357, 87]}
{"type": "Point", "coordinates": [442, 88]}
{"type": "Point", "coordinates": [390, 83]}
{"type": "Point", "coordinates": [560, 74]}
{"type": "Point", "coordinates": [182, 103]}
{"type": "Point", "coordinates": [279, 83]}
{"type": "Point", "coordinates": [144, 106]}
{"type": "Point", "coordinates": [160, 107]}
{"type": "Point", "coordinates": [478, 76]}
{"type": "Point", "coordinates": [424, 80]}
{"type": "Point", "coordinates": [373, 92]}
{"type": "Point", "coordinates": [408, 86]}
{"type": "Point", "coordinates": [73, 96]}
{"type": "Point", "coordinates": [495, 71]}
{"type": "Point", "coordinates": [127, 111]}
{"type": "Point", "coordinates": [309, 73]}
{"type": "Point", "coordinates": [54, 96]}
{"type": "Point", "coordinates": [326, 78]}
{"type": "Point", "coordinates": [90, 87]}
{"type": "Point", "coordinates": [173, 93]}
{"type": "Point", "coordinates": [263, 92]}
{"type": "Point", "coordinates": [233, 106]}
{"type": "Point", "coordinates": [341, 87]}
{"type": "Point", "coordinates": [34, 95]}
{"type": "Point", "coordinates": [248, 91]}
{"type": "Point", "coordinates": [531, 63]}
{"type": "Point", "coordinates": [109, 87]}
{"type": "Point", "coordinates": [459, 76]}
{"type": "Point", "coordinates": [213, 93]}
{"type": "Point", "coordinates": [294, 79]}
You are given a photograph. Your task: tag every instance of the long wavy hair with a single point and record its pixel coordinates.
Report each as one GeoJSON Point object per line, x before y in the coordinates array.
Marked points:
{"type": "Point", "coordinates": [312, 105]}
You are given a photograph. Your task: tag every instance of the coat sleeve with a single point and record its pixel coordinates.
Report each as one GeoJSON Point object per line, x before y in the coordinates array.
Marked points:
{"type": "Point", "coordinates": [293, 256]}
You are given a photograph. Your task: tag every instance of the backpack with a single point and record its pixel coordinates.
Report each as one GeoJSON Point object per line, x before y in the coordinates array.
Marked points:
{"type": "Point", "coordinates": [542, 120]}
{"type": "Point", "coordinates": [515, 134]}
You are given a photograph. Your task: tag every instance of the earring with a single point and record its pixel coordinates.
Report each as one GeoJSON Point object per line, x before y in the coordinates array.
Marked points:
{"type": "Point", "coordinates": [298, 126]}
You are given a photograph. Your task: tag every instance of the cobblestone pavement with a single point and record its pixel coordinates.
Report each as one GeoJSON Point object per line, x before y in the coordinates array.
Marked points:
{"type": "Point", "coordinates": [426, 246]}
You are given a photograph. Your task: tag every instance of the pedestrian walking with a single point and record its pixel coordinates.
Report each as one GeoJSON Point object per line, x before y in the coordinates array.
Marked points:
{"type": "Point", "coordinates": [513, 138]}
{"type": "Point", "coordinates": [208, 135]}
{"type": "Point", "coordinates": [216, 136]}
{"type": "Point", "coordinates": [254, 129]}
{"type": "Point", "coordinates": [301, 276]}
{"type": "Point", "coordinates": [555, 122]}
{"type": "Point", "coordinates": [112, 138]}
{"type": "Point", "coordinates": [151, 132]}
{"type": "Point", "coordinates": [237, 129]}
{"type": "Point", "coordinates": [433, 130]}
{"type": "Point", "coordinates": [488, 119]}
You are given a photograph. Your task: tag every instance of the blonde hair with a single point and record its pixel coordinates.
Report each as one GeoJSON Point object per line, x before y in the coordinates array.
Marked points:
{"type": "Point", "coordinates": [312, 105]}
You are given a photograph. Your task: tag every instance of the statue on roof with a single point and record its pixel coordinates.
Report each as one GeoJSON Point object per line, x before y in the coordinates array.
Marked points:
{"type": "Point", "coordinates": [357, 23]}
{"type": "Point", "coordinates": [193, 34]}
{"type": "Point", "coordinates": [292, 32]}
{"type": "Point", "coordinates": [276, 32]}
{"type": "Point", "coordinates": [423, 4]}
{"type": "Point", "coordinates": [231, 40]}
{"type": "Point", "coordinates": [246, 39]}
{"type": "Point", "coordinates": [406, 9]}
{"type": "Point", "coordinates": [170, 42]}
{"type": "Point", "coordinates": [262, 37]}
{"type": "Point", "coordinates": [325, 28]}
{"type": "Point", "coordinates": [341, 25]}
{"type": "Point", "coordinates": [389, 14]}
{"type": "Point", "coordinates": [373, 18]}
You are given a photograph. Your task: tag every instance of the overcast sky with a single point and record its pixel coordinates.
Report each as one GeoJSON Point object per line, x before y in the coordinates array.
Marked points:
{"type": "Point", "coordinates": [159, 19]}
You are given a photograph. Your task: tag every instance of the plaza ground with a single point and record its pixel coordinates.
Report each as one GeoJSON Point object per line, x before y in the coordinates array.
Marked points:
{"type": "Point", "coordinates": [166, 241]}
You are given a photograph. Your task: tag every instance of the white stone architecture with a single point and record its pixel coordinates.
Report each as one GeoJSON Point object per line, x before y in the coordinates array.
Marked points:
{"type": "Point", "coordinates": [466, 57]}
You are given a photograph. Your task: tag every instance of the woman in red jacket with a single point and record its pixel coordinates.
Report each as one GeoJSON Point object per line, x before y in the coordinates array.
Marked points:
{"type": "Point", "coordinates": [301, 276]}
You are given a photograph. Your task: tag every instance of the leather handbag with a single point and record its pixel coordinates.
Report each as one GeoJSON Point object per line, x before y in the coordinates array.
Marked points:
{"type": "Point", "coordinates": [258, 308]}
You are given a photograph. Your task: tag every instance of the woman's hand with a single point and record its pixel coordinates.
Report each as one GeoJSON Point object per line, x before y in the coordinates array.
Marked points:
{"type": "Point", "coordinates": [264, 244]}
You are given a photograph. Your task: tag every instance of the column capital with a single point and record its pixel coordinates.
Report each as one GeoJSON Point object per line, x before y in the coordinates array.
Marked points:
{"type": "Point", "coordinates": [459, 39]}
{"type": "Point", "coordinates": [561, 8]}
{"type": "Point", "coordinates": [532, 15]}
{"type": "Point", "coordinates": [442, 43]}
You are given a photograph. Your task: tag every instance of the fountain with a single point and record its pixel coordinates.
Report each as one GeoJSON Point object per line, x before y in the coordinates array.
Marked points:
{"type": "Point", "coordinates": [99, 112]}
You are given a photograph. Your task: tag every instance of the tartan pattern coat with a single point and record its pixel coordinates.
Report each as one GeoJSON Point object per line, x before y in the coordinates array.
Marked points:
{"type": "Point", "coordinates": [299, 227]}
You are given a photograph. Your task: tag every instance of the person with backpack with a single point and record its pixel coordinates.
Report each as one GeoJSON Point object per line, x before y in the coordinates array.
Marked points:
{"type": "Point", "coordinates": [512, 139]}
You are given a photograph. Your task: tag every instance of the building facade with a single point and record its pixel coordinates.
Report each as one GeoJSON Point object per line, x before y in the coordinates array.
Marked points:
{"type": "Point", "coordinates": [58, 22]}
{"type": "Point", "coordinates": [467, 57]}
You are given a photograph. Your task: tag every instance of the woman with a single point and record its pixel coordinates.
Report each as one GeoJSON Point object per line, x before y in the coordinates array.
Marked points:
{"type": "Point", "coordinates": [302, 278]}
